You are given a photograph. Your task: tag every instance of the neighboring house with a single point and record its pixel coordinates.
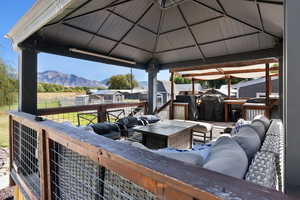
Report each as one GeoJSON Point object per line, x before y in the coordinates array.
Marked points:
{"type": "Point", "coordinates": [187, 88]}
{"type": "Point", "coordinates": [256, 88]}
{"type": "Point", "coordinates": [163, 92]}
{"type": "Point", "coordinates": [107, 96]}
{"type": "Point", "coordinates": [224, 90]}
{"type": "Point", "coordinates": [82, 100]}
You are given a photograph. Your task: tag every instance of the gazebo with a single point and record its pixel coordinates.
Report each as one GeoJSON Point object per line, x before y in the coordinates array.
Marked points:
{"type": "Point", "coordinates": [156, 35]}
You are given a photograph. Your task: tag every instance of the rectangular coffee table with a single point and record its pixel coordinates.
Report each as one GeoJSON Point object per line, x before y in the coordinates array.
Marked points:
{"type": "Point", "coordinates": [170, 133]}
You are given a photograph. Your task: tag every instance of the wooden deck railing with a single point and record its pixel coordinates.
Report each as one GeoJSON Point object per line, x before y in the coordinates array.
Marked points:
{"type": "Point", "coordinates": [70, 113]}
{"type": "Point", "coordinates": [51, 160]}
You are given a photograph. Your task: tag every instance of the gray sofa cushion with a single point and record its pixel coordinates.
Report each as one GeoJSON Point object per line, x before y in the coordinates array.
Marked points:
{"type": "Point", "coordinates": [227, 157]}
{"type": "Point", "coordinates": [249, 140]}
{"type": "Point", "coordinates": [260, 128]}
{"type": "Point", "coordinates": [263, 119]}
{"type": "Point", "coordinates": [187, 157]}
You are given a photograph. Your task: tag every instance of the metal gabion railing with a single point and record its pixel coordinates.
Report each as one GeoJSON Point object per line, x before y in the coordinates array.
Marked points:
{"type": "Point", "coordinates": [25, 156]}
{"type": "Point", "coordinates": [77, 177]}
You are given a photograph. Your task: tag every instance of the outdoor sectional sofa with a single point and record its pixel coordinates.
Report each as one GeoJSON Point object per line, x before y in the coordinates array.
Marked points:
{"type": "Point", "coordinates": [265, 168]}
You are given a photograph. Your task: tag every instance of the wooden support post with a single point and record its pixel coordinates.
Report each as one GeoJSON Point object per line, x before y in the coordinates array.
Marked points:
{"type": "Point", "coordinates": [49, 164]}
{"type": "Point", "coordinates": [171, 116]}
{"type": "Point", "coordinates": [267, 84]}
{"type": "Point", "coordinates": [101, 112]}
{"type": "Point", "coordinates": [44, 164]}
{"type": "Point", "coordinates": [193, 86]}
{"type": "Point", "coordinates": [28, 81]}
{"type": "Point", "coordinates": [152, 87]}
{"type": "Point", "coordinates": [11, 152]}
{"type": "Point", "coordinates": [229, 86]}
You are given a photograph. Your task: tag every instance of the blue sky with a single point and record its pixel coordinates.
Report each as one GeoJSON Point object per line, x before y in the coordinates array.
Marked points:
{"type": "Point", "coordinates": [12, 10]}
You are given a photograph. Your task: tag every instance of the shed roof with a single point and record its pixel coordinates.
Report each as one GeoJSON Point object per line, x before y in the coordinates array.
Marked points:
{"type": "Point", "coordinates": [134, 32]}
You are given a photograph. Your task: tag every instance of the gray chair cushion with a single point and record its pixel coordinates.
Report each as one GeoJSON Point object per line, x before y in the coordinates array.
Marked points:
{"type": "Point", "coordinates": [227, 157]}
{"type": "Point", "coordinates": [187, 157]}
{"type": "Point", "coordinates": [263, 119]}
{"type": "Point", "coordinates": [112, 135]}
{"type": "Point", "coordinates": [249, 140]}
{"type": "Point", "coordinates": [260, 128]}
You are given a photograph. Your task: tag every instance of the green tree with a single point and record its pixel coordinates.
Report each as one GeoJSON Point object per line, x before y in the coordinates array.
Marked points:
{"type": "Point", "coordinates": [181, 80]}
{"type": "Point", "coordinates": [8, 85]}
{"type": "Point", "coordinates": [122, 82]}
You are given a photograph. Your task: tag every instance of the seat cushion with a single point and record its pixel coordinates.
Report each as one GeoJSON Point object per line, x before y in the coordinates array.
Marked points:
{"type": "Point", "coordinates": [260, 128]}
{"type": "Point", "coordinates": [249, 140]}
{"type": "Point", "coordinates": [263, 119]}
{"type": "Point", "coordinates": [113, 135]}
{"type": "Point", "coordinates": [104, 128]}
{"type": "Point", "coordinates": [129, 122]}
{"type": "Point", "coordinates": [150, 118]}
{"type": "Point", "coordinates": [227, 157]}
{"type": "Point", "coordinates": [187, 157]}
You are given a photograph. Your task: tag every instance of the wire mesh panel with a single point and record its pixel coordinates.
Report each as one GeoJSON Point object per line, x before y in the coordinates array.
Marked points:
{"type": "Point", "coordinates": [65, 117]}
{"type": "Point", "coordinates": [25, 156]}
{"type": "Point", "coordinates": [77, 177]}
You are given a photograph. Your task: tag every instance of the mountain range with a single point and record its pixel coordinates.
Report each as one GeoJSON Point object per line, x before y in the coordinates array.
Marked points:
{"type": "Point", "coordinates": [71, 80]}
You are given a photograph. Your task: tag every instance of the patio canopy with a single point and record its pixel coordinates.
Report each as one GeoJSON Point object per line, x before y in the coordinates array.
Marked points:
{"type": "Point", "coordinates": [228, 71]}
{"type": "Point", "coordinates": [133, 33]}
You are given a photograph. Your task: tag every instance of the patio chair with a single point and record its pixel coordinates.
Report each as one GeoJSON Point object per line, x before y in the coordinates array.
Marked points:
{"type": "Point", "coordinates": [115, 115]}
{"type": "Point", "coordinates": [90, 117]}
{"type": "Point", "coordinates": [202, 132]}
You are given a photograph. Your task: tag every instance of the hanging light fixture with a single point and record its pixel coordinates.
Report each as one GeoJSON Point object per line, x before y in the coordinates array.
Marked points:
{"type": "Point", "coordinates": [102, 56]}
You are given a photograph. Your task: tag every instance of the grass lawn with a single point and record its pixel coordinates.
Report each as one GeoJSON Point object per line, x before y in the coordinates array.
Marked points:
{"type": "Point", "coordinates": [4, 136]}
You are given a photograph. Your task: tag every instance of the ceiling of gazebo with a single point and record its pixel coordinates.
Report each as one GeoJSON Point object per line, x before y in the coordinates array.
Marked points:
{"type": "Point", "coordinates": [141, 30]}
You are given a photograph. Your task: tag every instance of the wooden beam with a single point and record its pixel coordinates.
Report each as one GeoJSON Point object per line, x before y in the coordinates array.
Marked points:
{"type": "Point", "coordinates": [228, 72]}
{"type": "Point", "coordinates": [193, 86]}
{"type": "Point", "coordinates": [226, 65]}
{"type": "Point", "coordinates": [28, 80]}
{"type": "Point", "coordinates": [229, 86]}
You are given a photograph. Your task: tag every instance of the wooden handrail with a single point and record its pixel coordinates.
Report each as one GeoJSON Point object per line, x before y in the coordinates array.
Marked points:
{"type": "Point", "coordinates": [69, 109]}
{"type": "Point", "coordinates": [167, 178]}
{"type": "Point", "coordinates": [163, 107]}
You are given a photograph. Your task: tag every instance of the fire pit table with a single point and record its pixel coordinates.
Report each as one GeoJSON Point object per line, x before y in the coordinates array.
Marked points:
{"type": "Point", "coordinates": [170, 133]}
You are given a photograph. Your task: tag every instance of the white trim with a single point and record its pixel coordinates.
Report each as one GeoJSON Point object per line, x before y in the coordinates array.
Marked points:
{"type": "Point", "coordinates": [41, 13]}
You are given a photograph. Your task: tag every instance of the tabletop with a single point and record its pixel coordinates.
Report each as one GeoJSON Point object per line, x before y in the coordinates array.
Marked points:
{"type": "Point", "coordinates": [165, 128]}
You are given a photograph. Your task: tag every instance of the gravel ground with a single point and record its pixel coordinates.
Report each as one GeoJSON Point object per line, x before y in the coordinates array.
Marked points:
{"type": "Point", "coordinates": [6, 192]}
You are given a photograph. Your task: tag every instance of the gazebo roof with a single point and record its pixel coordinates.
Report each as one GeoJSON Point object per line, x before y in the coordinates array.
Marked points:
{"type": "Point", "coordinates": [135, 32]}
